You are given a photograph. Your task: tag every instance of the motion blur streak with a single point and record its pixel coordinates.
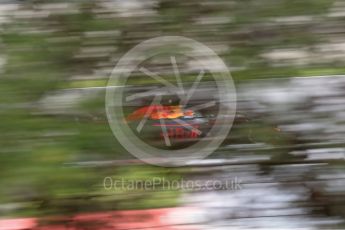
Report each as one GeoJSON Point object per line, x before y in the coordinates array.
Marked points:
{"type": "Point", "coordinates": [287, 58]}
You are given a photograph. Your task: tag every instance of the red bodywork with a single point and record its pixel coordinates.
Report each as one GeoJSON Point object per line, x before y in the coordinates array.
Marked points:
{"type": "Point", "coordinates": [156, 112]}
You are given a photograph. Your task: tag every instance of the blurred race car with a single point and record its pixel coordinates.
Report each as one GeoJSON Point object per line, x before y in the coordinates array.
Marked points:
{"type": "Point", "coordinates": [180, 123]}
{"type": "Point", "coordinates": [185, 126]}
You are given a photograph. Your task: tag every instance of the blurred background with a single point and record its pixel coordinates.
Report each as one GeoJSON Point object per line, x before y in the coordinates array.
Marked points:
{"type": "Point", "coordinates": [287, 58]}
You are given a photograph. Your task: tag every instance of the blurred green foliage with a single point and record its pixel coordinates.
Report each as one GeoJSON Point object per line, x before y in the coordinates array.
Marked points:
{"type": "Point", "coordinates": [38, 150]}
